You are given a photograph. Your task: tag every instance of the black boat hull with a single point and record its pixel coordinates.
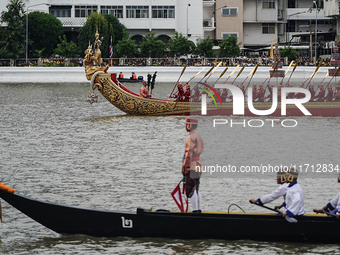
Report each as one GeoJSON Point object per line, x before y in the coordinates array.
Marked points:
{"type": "Point", "coordinates": [69, 220]}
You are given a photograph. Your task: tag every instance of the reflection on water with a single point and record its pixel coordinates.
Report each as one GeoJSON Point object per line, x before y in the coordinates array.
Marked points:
{"type": "Point", "coordinates": [57, 147]}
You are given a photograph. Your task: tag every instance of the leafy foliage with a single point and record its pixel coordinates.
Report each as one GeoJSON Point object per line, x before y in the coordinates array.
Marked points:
{"type": "Point", "coordinates": [179, 45]}
{"type": "Point", "coordinates": [289, 52]}
{"type": "Point", "coordinates": [12, 37]}
{"type": "Point", "coordinates": [204, 47]}
{"type": "Point", "coordinates": [229, 47]}
{"type": "Point", "coordinates": [119, 30]}
{"type": "Point", "coordinates": [87, 33]}
{"type": "Point", "coordinates": [151, 46]}
{"type": "Point", "coordinates": [67, 49]}
{"type": "Point", "coordinates": [44, 29]}
{"type": "Point", "coordinates": [125, 48]}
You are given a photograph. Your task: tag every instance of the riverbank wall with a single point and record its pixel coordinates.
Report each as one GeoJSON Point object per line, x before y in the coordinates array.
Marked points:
{"type": "Point", "coordinates": [164, 74]}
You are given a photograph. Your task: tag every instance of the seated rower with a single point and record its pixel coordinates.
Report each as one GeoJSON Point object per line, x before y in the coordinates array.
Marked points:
{"type": "Point", "coordinates": [134, 76]}
{"type": "Point", "coordinates": [144, 91]}
{"type": "Point", "coordinates": [180, 93]}
{"type": "Point", "coordinates": [294, 197]}
{"type": "Point", "coordinates": [320, 96]}
{"type": "Point", "coordinates": [279, 192]}
{"type": "Point", "coordinates": [187, 94]}
{"type": "Point", "coordinates": [337, 95]}
{"type": "Point", "coordinates": [333, 206]}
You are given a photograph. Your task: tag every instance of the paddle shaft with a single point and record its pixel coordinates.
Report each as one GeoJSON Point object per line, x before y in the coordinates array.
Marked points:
{"type": "Point", "coordinates": [269, 208]}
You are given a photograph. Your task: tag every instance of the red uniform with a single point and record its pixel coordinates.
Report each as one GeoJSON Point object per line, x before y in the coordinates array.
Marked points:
{"type": "Point", "coordinates": [254, 94]}
{"type": "Point", "coordinates": [260, 95]}
{"type": "Point", "coordinates": [312, 94]}
{"type": "Point", "coordinates": [179, 94]}
{"type": "Point", "coordinates": [196, 95]}
{"type": "Point", "coordinates": [320, 96]}
{"type": "Point", "coordinates": [329, 96]}
{"type": "Point", "coordinates": [224, 96]}
{"type": "Point", "coordinates": [186, 95]}
{"type": "Point", "coordinates": [144, 92]}
{"type": "Point", "coordinates": [337, 96]}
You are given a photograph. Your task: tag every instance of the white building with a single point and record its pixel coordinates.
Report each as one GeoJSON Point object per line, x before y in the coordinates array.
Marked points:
{"type": "Point", "coordinates": [163, 17]}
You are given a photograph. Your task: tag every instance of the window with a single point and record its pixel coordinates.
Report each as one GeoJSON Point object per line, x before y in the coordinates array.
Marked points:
{"type": "Point", "coordinates": [138, 12]}
{"type": "Point", "coordinates": [116, 11]}
{"type": "Point", "coordinates": [163, 12]}
{"type": "Point", "coordinates": [84, 10]}
{"type": "Point", "coordinates": [226, 35]}
{"type": "Point", "coordinates": [61, 11]}
{"type": "Point", "coordinates": [229, 12]}
{"type": "Point", "coordinates": [268, 4]}
{"type": "Point", "coordinates": [268, 28]}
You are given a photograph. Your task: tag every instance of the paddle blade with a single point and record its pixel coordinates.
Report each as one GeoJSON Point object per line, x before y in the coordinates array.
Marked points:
{"type": "Point", "coordinates": [184, 69]}
{"type": "Point", "coordinates": [240, 71]}
{"type": "Point", "coordinates": [209, 71]}
{"type": "Point", "coordinates": [177, 196]}
{"type": "Point", "coordinates": [223, 72]}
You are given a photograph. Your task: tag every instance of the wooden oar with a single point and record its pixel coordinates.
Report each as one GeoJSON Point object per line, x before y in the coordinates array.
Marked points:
{"type": "Point", "coordinates": [296, 64]}
{"type": "Point", "coordinates": [178, 79]}
{"type": "Point", "coordinates": [277, 210]}
{"type": "Point", "coordinates": [291, 63]}
{"type": "Point", "coordinates": [231, 74]}
{"type": "Point", "coordinates": [213, 71]}
{"type": "Point", "coordinates": [311, 77]}
{"type": "Point", "coordinates": [195, 76]}
{"type": "Point", "coordinates": [277, 63]}
{"type": "Point", "coordinates": [333, 76]}
{"type": "Point", "coordinates": [220, 76]}
{"type": "Point", "coordinates": [252, 70]}
{"type": "Point", "coordinates": [255, 69]}
{"type": "Point", "coordinates": [238, 74]}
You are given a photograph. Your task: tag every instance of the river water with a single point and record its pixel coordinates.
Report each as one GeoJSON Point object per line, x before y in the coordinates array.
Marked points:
{"type": "Point", "coordinates": [57, 147]}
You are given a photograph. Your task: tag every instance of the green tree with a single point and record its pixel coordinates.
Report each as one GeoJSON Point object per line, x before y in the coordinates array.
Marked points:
{"type": "Point", "coordinates": [87, 33]}
{"type": "Point", "coordinates": [229, 47]}
{"type": "Point", "coordinates": [151, 46]}
{"type": "Point", "coordinates": [289, 52]}
{"type": "Point", "coordinates": [119, 30]}
{"type": "Point", "coordinates": [44, 30]}
{"type": "Point", "coordinates": [179, 45]}
{"type": "Point", "coordinates": [12, 37]}
{"type": "Point", "coordinates": [204, 47]}
{"type": "Point", "coordinates": [125, 48]}
{"type": "Point", "coordinates": [67, 49]}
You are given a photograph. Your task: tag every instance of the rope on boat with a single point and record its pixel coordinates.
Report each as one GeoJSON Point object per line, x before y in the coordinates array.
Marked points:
{"type": "Point", "coordinates": [237, 206]}
{"type": "Point", "coordinates": [94, 78]}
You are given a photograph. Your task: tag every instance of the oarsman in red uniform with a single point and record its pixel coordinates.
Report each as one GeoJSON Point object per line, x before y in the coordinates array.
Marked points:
{"type": "Point", "coordinates": [270, 95]}
{"type": "Point", "coordinates": [191, 167]}
{"type": "Point", "coordinates": [300, 94]}
{"type": "Point", "coordinates": [337, 95]}
{"type": "Point", "coordinates": [290, 95]}
{"type": "Point", "coordinates": [180, 93]}
{"type": "Point", "coordinates": [196, 95]}
{"type": "Point", "coordinates": [186, 94]}
{"type": "Point", "coordinates": [312, 93]}
{"type": "Point", "coordinates": [224, 95]}
{"type": "Point", "coordinates": [329, 96]}
{"type": "Point", "coordinates": [243, 89]}
{"type": "Point", "coordinates": [320, 96]}
{"type": "Point", "coordinates": [144, 91]}
{"type": "Point", "coordinates": [260, 94]}
{"type": "Point", "coordinates": [254, 92]}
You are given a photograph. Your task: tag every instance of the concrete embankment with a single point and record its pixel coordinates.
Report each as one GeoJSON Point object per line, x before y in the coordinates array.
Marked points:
{"type": "Point", "coordinates": [164, 74]}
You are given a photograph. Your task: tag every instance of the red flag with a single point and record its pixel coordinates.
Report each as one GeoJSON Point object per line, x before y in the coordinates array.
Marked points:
{"type": "Point", "coordinates": [111, 50]}
{"type": "Point", "coordinates": [177, 196]}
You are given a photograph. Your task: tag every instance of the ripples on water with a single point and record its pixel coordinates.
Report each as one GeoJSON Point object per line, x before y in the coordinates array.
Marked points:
{"type": "Point", "coordinates": [57, 147]}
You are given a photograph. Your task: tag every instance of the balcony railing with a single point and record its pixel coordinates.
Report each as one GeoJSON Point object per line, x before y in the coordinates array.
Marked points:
{"type": "Point", "coordinates": [72, 22]}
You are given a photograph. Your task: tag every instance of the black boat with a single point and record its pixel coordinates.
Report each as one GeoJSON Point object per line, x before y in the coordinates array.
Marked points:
{"type": "Point", "coordinates": [67, 220]}
{"type": "Point", "coordinates": [124, 80]}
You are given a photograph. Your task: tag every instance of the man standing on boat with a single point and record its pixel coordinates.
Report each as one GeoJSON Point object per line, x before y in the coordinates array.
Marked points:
{"type": "Point", "coordinates": [294, 197]}
{"type": "Point", "coordinates": [191, 166]}
{"type": "Point", "coordinates": [279, 192]}
{"type": "Point", "coordinates": [144, 91]}
{"type": "Point", "coordinates": [333, 206]}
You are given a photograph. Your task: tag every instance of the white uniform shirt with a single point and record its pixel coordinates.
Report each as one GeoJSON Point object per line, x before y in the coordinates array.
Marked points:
{"type": "Point", "coordinates": [335, 203]}
{"type": "Point", "coordinates": [279, 192]}
{"type": "Point", "coordinates": [294, 200]}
